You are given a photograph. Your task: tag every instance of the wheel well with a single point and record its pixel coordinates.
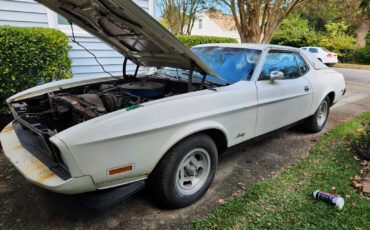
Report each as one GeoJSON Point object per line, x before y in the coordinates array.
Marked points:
{"type": "Point", "coordinates": [331, 96]}
{"type": "Point", "coordinates": [218, 137]}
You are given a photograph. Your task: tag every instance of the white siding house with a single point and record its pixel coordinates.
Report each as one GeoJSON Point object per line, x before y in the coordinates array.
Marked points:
{"type": "Point", "coordinates": [215, 24]}
{"type": "Point", "coordinates": [29, 13]}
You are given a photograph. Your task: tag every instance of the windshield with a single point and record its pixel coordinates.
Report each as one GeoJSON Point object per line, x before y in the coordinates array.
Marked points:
{"type": "Point", "coordinates": [232, 64]}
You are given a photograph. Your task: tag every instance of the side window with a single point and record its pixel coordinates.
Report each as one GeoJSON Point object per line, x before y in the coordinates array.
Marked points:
{"type": "Point", "coordinates": [280, 61]}
{"type": "Point", "coordinates": [313, 50]}
{"type": "Point", "coordinates": [302, 65]}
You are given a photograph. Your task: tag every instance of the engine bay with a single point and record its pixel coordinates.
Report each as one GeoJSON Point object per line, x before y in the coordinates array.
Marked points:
{"type": "Point", "coordinates": [53, 112]}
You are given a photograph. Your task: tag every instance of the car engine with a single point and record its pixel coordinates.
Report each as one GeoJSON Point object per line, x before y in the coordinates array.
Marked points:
{"type": "Point", "coordinates": [55, 111]}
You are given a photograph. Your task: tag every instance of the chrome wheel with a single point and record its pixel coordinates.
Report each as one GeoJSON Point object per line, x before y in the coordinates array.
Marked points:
{"type": "Point", "coordinates": [322, 113]}
{"type": "Point", "coordinates": [193, 171]}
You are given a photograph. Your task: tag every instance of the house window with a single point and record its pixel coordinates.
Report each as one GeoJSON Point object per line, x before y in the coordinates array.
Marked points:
{"type": "Point", "coordinates": [62, 20]}
{"type": "Point", "coordinates": [57, 21]}
{"type": "Point", "coordinates": [200, 24]}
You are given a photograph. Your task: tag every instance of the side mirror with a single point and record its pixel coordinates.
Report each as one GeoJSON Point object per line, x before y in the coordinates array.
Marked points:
{"type": "Point", "coordinates": [276, 75]}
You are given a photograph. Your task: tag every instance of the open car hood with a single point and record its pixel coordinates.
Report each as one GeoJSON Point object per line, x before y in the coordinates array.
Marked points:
{"type": "Point", "coordinates": [131, 31]}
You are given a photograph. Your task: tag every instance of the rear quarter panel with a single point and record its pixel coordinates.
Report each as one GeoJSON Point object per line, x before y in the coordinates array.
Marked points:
{"type": "Point", "coordinates": [323, 82]}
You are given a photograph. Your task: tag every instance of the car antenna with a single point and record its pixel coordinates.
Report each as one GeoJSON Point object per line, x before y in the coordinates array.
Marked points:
{"type": "Point", "coordinates": [96, 59]}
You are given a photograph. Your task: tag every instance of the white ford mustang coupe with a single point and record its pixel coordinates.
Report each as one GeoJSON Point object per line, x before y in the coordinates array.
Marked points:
{"type": "Point", "coordinates": [165, 127]}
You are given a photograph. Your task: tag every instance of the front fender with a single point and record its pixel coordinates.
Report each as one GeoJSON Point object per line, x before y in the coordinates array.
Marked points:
{"type": "Point", "coordinates": [188, 130]}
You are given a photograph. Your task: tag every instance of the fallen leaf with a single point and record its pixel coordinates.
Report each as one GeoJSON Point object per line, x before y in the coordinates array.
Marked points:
{"type": "Point", "coordinates": [235, 194]}
{"type": "Point", "coordinates": [357, 228]}
{"type": "Point", "coordinates": [288, 221]}
{"type": "Point", "coordinates": [346, 166]}
{"type": "Point", "coordinates": [221, 202]}
{"type": "Point", "coordinates": [257, 214]}
{"type": "Point", "coordinates": [355, 205]}
{"type": "Point", "coordinates": [357, 178]}
{"type": "Point", "coordinates": [348, 196]}
{"type": "Point", "coordinates": [356, 158]}
{"type": "Point", "coordinates": [341, 162]}
{"type": "Point", "coordinates": [269, 209]}
{"type": "Point", "coordinates": [241, 185]}
{"type": "Point", "coordinates": [359, 185]}
{"type": "Point", "coordinates": [333, 188]}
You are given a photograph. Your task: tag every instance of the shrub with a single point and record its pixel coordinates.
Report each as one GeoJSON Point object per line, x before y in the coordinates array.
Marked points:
{"type": "Point", "coordinates": [292, 32]}
{"type": "Point", "coordinates": [337, 38]}
{"type": "Point", "coordinates": [29, 56]}
{"type": "Point", "coordinates": [362, 55]}
{"type": "Point", "coordinates": [194, 40]}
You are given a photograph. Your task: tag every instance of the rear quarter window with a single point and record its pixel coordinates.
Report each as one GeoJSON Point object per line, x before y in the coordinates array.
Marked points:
{"type": "Point", "coordinates": [314, 61]}
{"type": "Point", "coordinates": [313, 50]}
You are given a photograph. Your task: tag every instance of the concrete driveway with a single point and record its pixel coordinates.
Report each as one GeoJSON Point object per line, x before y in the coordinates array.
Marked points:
{"type": "Point", "coordinates": [25, 206]}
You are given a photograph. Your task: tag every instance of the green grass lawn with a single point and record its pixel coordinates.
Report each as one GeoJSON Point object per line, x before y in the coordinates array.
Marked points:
{"type": "Point", "coordinates": [286, 202]}
{"type": "Point", "coordinates": [352, 66]}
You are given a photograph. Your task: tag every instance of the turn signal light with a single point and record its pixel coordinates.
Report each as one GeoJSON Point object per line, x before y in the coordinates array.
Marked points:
{"type": "Point", "coordinates": [120, 170]}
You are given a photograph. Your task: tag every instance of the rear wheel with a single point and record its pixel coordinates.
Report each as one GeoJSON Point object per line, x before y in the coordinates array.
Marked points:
{"type": "Point", "coordinates": [186, 171]}
{"type": "Point", "coordinates": [317, 122]}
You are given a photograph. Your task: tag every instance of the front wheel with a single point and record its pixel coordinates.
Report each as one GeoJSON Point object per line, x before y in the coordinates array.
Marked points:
{"type": "Point", "coordinates": [317, 121]}
{"type": "Point", "coordinates": [186, 171]}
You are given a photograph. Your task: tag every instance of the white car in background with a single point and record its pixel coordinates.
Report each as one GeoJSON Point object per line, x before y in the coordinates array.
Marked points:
{"type": "Point", "coordinates": [117, 133]}
{"type": "Point", "coordinates": [324, 55]}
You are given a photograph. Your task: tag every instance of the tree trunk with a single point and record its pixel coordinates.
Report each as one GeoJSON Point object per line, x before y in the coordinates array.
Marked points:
{"type": "Point", "coordinates": [254, 27]}
{"type": "Point", "coordinates": [361, 33]}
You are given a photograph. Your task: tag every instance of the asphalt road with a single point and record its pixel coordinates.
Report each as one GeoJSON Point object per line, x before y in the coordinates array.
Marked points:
{"type": "Point", "coordinates": [355, 75]}
{"type": "Point", "coordinates": [25, 206]}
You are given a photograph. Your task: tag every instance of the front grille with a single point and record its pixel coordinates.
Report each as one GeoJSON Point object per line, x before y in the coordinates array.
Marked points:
{"type": "Point", "coordinates": [41, 148]}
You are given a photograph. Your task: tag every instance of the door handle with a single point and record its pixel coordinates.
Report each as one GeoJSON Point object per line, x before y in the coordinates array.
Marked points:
{"type": "Point", "coordinates": [306, 88]}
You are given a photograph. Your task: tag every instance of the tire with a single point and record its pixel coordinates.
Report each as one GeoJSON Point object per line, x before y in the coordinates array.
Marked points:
{"type": "Point", "coordinates": [317, 121]}
{"type": "Point", "coordinates": [172, 179]}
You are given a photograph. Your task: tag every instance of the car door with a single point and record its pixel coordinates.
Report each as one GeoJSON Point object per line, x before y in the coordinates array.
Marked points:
{"type": "Point", "coordinates": [282, 102]}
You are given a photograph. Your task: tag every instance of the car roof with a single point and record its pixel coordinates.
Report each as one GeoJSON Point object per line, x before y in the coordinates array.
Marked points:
{"type": "Point", "coordinates": [248, 46]}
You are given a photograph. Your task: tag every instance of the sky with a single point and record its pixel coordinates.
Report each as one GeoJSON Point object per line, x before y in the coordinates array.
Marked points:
{"type": "Point", "coordinates": [158, 11]}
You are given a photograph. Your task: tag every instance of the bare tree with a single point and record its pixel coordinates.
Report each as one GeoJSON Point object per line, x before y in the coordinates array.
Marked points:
{"type": "Point", "coordinates": [258, 20]}
{"type": "Point", "coordinates": [180, 14]}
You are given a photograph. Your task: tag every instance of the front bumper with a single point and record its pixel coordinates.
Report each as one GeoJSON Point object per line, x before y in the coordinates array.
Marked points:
{"type": "Point", "coordinates": [36, 171]}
